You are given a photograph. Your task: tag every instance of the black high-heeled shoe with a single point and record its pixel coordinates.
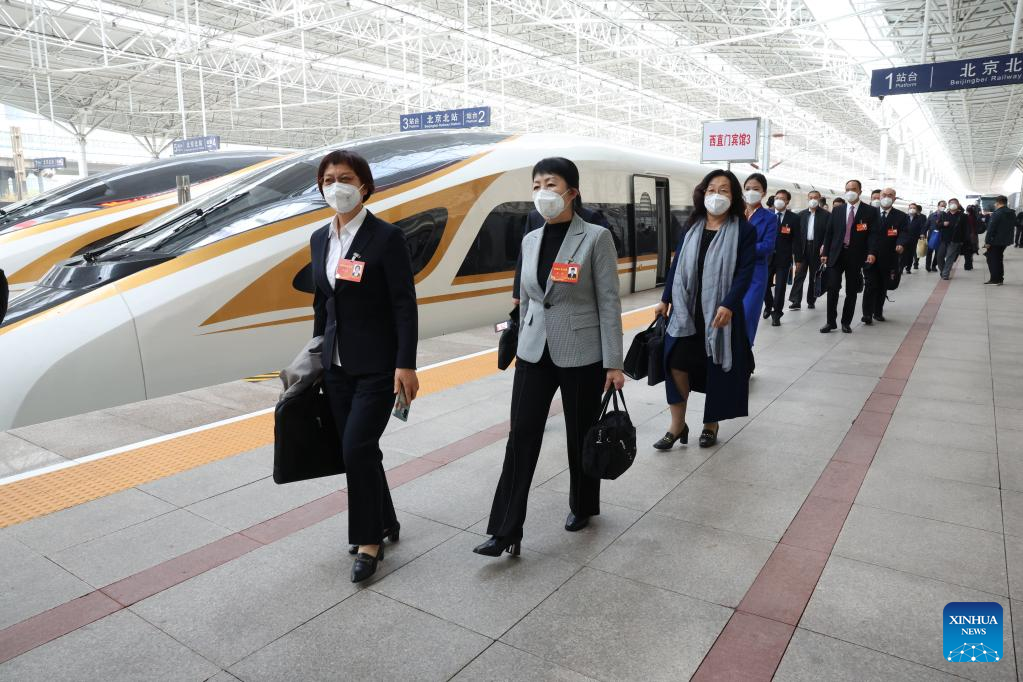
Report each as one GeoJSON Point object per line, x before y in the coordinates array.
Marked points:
{"type": "Point", "coordinates": [709, 438]}
{"type": "Point", "coordinates": [391, 535]}
{"type": "Point", "coordinates": [365, 565]}
{"type": "Point", "coordinates": [496, 546]}
{"type": "Point", "coordinates": [669, 439]}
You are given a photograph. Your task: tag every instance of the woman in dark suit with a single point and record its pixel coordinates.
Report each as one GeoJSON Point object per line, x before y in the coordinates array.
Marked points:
{"type": "Point", "coordinates": [365, 309]}
{"type": "Point", "coordinates": [706, 347]}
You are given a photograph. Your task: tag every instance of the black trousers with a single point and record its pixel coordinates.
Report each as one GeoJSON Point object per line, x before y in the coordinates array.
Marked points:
{"type": "Point", "coordinates": [874, 289]}
{"type": "Point", "coordinates": [777, 281]}
{"type": "Point", "coordinates": [932, 259]}
{"type": "Point", "coordinates": [361, 406]}
{"type": "Point", "coordinates": [907, 259]}
{"type": "Point", "coordinates": [967, 251]}
{"type": "Point", "coordinates": [1019, 236]}
{"type": "Point", "coordinates": [532, 392]}
{"type": "Point", "coordinates": [853, 274]}
{"type": "Point", "coordinates": [811, 261]}
{"type": "Point", "coordinates": [995, 263]}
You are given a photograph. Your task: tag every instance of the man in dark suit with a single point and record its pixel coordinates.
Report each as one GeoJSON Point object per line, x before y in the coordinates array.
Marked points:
{"type": "Point", "coordinates": [917, 229]}
{"type": "Point", "coordinates": [999, 236]}
{"type": "Point", "coordinates": [813, 222]}
{"type": "Point", "coordinates": [851, 240]}
{"type": "Point", "coordinates": [788, 253]}
{"type": "Point", "coordinates": [895, 240]}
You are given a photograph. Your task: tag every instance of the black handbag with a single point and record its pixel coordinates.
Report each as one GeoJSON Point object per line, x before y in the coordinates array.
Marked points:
{"type": "Point", "coordinates": [893, 279]}
{"type": "Point", "coordinates": [609, 448]}
{"type": "Point", "coordinates": [306, 443]}
{"type": "Point", "coordinates": [820, 281]}
{"type": "Point", "coordinates": [636, 362]}
{"type": "Point", "coordinates": [509, 341]}
{"type": "Point", "coordinates": [655, 373]}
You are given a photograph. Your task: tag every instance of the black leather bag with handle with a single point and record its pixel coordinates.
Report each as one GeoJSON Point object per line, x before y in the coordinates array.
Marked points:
{"type": "Point", "coordinates": [306, 444]}
{"type": "Point", "coordinates": [820, 282]}
{"type": "Point", "coordinates": [509, 341]}
{"type": "Point", "coordinates": [609, 448]}
{"type": "Point", "coordinates": [655, 373]}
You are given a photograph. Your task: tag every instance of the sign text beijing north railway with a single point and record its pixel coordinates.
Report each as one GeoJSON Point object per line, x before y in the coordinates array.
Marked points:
{"type": "Point", "coordinates": [981, 72]}
{"type": "Point", "coordinates": [473, 117]}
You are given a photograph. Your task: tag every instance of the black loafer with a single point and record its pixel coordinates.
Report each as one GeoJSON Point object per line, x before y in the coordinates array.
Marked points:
{"type": "Point", "coordinates": [391, 535]}
{"type": "Point", "coordinates": [667, 442]}
{"type": "Point", "coordinates": [365, 565]}
{"type": "Point", "coordinates": [866, 320]}
{"type": "Point", "coordinates": [795, 306]}
{"type": "Point", "coordinates": [810, 306]}
{"type": "Point", "coordinates": [496, 546]}
{"type": "Point", "coordinates": [767, 313]}
{"type": "Point", "coordinates": [879, 317]}
{"type": "Point", "coordinates": [846, 329]}
{"type": "Point", "coordinates": [708, 438]}
{"type": "Point", "coordinates": [574, 523]}
{"type": "Point", "coordinates": [828, 328]}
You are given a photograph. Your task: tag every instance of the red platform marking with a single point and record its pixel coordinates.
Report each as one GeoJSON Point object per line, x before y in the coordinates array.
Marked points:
{"type": "Point", "coordinates": [752, 643]}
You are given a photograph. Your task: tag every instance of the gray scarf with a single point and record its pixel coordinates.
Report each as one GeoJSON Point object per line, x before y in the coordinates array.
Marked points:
{"type": "Point", "coordinates": [718, 270]}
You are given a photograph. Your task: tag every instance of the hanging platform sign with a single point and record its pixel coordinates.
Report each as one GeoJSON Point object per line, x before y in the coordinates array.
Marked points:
{"type": "Point", "coordinates": [50, 162]}
{"type": "Point", "coordinates": [732, 140]}
{"type": "Point", "coordinates": [203, 143]}
{"type": "Point", "coordinates": [962, 74]}
{"type": "Point", "coordinates": [473, 117]}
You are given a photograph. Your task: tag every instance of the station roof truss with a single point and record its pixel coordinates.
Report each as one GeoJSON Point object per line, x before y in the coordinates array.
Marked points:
{"type": "Point", "coordinates": [301, 73]}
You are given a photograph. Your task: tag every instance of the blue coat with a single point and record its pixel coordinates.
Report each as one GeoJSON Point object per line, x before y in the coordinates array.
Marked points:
{"type": "Point", "coordinates": [753, 302]}
{"type": "Point", "coordinates": [727, 392]}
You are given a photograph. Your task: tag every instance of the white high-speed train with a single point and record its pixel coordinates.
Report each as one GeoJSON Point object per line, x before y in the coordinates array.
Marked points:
{"type": "Point", "coordinates": [39, 232]}
{"type": "Point", "coordinates": [220, 288]}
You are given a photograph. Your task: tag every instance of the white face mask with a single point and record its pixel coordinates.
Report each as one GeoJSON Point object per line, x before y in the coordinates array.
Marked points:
{"type": "Point", "coordinates": [912, 211]}
{"type": "Point", "coordinates": [886, 202]}
{"type": "Point", "coordinates": [813, 203]}
{"type": "Point", "coordinates": [716, 204]}
{"type": "Point", "coordinates": [953, 206]}
{"type": "Point", "coordinates": [752, 197]}
{"type": "Point", "coordinates": [851, 196]}
{"type": "Point", "coordinates": [779, 204]}
{"type": "Point", "coordinates": [342, 197]}
{"type": "Point", "coordinates": [941, 208]}
{"type": "Point", "coordinates": [876, 203]}
{"type": "Point", "coordinates": [548, 203]}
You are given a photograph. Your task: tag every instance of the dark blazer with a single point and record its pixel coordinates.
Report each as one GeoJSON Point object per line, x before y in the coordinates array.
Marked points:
{"type": "Point", "coordinates": [375, 321]}
{"type": "Point", "coordinates": [895, 231]}
{"type": "Point", "coordinates": [954, 227]}
{"type": "Point", "coordinates": [917, 226]}
{"type": "Point", "coordinates": [820, 225]}
{"type": "Point", "coordinates": [788, 243]}
{"type": "Point", "coordinates": [999, 233]}
{"type": "Point", "coordinates": [862, 243]}
{"type": "Point", "coordinates": [4, 295]}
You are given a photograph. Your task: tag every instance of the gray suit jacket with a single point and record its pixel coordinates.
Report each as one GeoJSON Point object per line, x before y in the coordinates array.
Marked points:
{"type": "Point", "coordinates": [580, 323]}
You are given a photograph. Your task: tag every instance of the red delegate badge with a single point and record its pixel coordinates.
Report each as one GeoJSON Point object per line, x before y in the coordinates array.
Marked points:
{"type": "Point", "coordinates": [350, 270]}
{"type": "Point", "coordinates": [785, 229]}
{"type": "Point", "coordinates": [893, 232]}
{"type": "Point", "coordinates": [861, 227]}
{"type": "Point", "coordinates": [567, 273]}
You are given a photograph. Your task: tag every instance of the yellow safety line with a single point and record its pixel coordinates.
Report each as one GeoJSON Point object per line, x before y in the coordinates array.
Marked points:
{"type": "Point", "coordinates": [47, 493]}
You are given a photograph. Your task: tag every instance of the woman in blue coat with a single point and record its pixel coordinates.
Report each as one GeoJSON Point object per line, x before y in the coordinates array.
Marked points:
{"type": "Point", "coordinates": [761, 219]}
{"type": "Point", "coordinates": [706, 348]}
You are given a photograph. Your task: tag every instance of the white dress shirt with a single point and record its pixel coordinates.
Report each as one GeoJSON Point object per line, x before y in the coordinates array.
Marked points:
{"type": "Point", "coordinates": [809, 226]}
{"type": "Point", "coordinates": [337, 247]}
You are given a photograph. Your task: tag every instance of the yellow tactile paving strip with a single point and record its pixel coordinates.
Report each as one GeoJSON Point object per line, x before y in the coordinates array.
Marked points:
{"type": "Point", "coordinates": [48, 493]}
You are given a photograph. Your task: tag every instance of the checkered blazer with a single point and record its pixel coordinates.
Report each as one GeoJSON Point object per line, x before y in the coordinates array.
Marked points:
{"type": "Point", "coordinates": [580, 323]}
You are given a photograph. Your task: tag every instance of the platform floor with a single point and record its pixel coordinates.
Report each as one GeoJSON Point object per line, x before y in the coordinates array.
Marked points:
{"type": "Point", "coordinates": [879, 477]}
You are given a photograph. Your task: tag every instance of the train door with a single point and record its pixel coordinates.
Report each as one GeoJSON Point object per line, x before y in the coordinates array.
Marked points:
{"type": "Point", "coordinates": [649, 214]}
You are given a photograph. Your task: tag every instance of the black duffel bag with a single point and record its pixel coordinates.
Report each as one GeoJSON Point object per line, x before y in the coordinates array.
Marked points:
{"type": "Point", "coordinates": [655, 373]}
{"type": "Point", "coordinates": [509, 341]}
{"type": "Point", "coordinates": [609, 448]}
{"type": "Point", "coordinates": [894, 278]}
{"type": "Point", "coordinates": [306, 444]}
{"type": "Point", "coordinates": [644, 351]}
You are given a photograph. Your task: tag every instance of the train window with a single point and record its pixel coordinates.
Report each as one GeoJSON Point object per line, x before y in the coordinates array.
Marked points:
{"type": "Point", "coordinates": [646, 225]}
{"type": "Point", "coordinates": [617, 217]}
{"type": "Point", "coordinates": [423, 232]}
{"type": "Point", "coordinates": [496, 247]}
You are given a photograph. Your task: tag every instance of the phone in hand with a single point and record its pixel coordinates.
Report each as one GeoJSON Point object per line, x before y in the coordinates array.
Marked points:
{"type": "Point", "coordinates": [402, 405]}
